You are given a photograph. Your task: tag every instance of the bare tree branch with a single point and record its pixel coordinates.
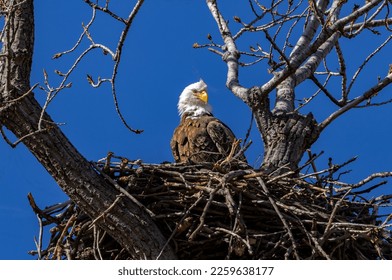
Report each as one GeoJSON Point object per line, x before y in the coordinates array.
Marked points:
{"type": "Point", "coordinates": [368, 94]}
{"type": "Point", "coordinates": [231, 55]}
{"type": "Point", "coordinates": [116, 56]}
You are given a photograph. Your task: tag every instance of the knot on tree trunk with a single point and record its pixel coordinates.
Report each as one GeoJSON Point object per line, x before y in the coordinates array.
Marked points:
{"type": "Point", "coordinates": [286, 138]}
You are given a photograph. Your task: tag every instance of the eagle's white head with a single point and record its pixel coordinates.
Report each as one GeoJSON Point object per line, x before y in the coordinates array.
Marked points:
{"type": "Point", "coordinates": [193, 100]}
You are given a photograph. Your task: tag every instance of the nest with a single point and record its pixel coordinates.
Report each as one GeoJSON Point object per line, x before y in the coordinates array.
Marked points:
{"type": "Point", "coordinates": [231, 211]}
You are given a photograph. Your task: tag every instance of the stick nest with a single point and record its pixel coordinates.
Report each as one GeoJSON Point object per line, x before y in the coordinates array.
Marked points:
{"type": "Point", "coordinates": [231, 211]}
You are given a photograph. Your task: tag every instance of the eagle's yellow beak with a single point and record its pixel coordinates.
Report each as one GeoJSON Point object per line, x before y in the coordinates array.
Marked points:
{"type": "Point", "coordinates": [203, 96]}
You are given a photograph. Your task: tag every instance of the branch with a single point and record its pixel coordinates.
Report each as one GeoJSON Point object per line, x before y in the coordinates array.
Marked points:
{"type": "Point", "coordinates": [368, 58]}
{"type": "Point", "coordinates": [365, 181]}
{"type": "Point", "coordinates": [117, 59]}
{"type": "Point", "coordinates": [105, 10]}
{"type": "Point", "coordinates": [310, 30]}
{"type": "Point", "coordinates": [85, 30]}
{"type": "Point", "coordinates": [340, 24]}
{"type": "Point", "coordinates": [307, 51]}
{"type": "Point", "coordinates": [10, 103]}
{"type": "Point", "coordinates": [308, 68]}
{"type": "Point", "coordinates": [116, 56]}
{"type": "Point", "coordinates": [324, 89]}
{"type": "Point", "coordinates": [368, 24]}
{"type": "Point", "coordinates": [232, 54]}
{"type": "Point", "coordinates": [368, 94]}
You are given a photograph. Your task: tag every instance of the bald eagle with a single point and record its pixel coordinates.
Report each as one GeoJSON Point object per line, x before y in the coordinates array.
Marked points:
{"type": "Point", "coordinates": [200, 137]}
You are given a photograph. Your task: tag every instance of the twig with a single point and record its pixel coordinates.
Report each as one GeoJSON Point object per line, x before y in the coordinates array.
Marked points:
{"type": "Point", "coordinates": [58, 248]}
{"type": "Point", "coordinates": [203, 215]}
{"type": "Point", "coordinates": [368, 58]}
{"type": "Point", "coordinates": [96, 242]}
{"type": "Point", "coordinates": [38, 211]}
{"type": "Point", "coordinates": [107, 210]}
{"type": "Point", "coordinates": [40, 235]}
{"type": "Point", "coordinates": [123, 191]}
{"type": "Point", "coordinates": [246, 243]}
{"type": "Point", "coordinates": [265, 189]}
{"type": "Point", "coordinates": [332, 217]}
{"type": "Point", "coordinates": [188, 211]}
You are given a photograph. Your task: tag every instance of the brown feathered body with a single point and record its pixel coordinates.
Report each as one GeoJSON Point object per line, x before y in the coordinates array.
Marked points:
{"type": "Point", "coordinates": [201, 139]}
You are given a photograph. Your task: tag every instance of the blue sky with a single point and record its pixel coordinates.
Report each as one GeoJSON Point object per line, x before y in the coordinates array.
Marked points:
{"type": "Point", "coordinates": [158, 62]}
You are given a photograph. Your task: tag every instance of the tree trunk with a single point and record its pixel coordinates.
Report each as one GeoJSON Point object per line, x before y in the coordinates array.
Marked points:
{"type": "Point", "coordinates": [20, 113]}
{"type": "Point", "coordinates": [286, 139]}
{"type": "Point", "coordinates": [286, 134]}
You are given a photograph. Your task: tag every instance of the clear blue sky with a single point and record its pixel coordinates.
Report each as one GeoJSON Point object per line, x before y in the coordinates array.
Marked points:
{"type": "Point", "coordinates": [158, 62]}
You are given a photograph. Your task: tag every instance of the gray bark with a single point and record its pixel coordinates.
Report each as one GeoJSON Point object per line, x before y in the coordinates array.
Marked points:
{"type": "Point", "coordinates": [126, 222]}
{"type": "Point", "coordinates": [286, 139]}
{"type": "Point", "coordinates": [286, 135]}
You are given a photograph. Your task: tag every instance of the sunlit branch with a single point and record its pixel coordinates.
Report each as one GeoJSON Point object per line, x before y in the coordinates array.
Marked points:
{"type": "Point", "coordinates": [51, 92]}
{"type": "Point", "coordinates": [370, 104]}
{"type": "Point", "coordinates": [368, 58]}
{"type": "Point", "coordinates": [310, 30]}
{"type": "Point", "coordinates": [307, 51]}
{"type": "Point", "coordinates": [341, 23]}
{"type": "Point", "coordinates": [276, 47]}
{"type": "Point", "coordinates": [368, 94]}
{"type": "Point", "coordinates": [306, 70]}
{"type": "Point", "coordinates": [105, 10]}
{"type": "Point", "coordinates": [363, 26]}
{"type": "Point", "coordinates": [342, 72]}
{"type": "Point", "coordinates": [232, 55]}
{"type": "Point", "coordinates": [368, 24]}
{"type": "Point", "coordinates": [364, 181]}
{"type": "Point", "coordinates": [289, 33]}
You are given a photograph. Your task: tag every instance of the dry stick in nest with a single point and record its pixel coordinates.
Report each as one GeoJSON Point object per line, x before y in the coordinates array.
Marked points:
{"type": "Point", "coordinates": [317, 245]}
{"type": "Point", "coordinates": [235, 235]}
{"type": "Point", "coordinates": [229, 200]}
{"type": "Point", "coordinates": [174, 174]}
{"type": "Point", "coordinates": [123, 191]}
{"type": "Point", "coordinates": [265, 189]}
{"type": "Point", "coordinates": [58, 249]}
{"type": "Point", "coordinates": [203, 215]}
{"type": "Point", "coordinates": [38, 244]}
{"type": "Point", "coordinates": [96, 243]}
{"type": "Point", "coordinates": [179, 224]}
{"type": "Point", "coordinates": [327, 231]}
{"type": "Point", "coordinates": [38, 211]}
{"type": "Point", "coordinates": [240, 220]}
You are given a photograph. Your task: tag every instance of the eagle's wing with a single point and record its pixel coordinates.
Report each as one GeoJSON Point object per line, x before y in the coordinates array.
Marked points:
{"type": "Point", "coordinates": [192, 142]}
{"type": "Point", "coordinates": [204, 139]}
{"type": "Point", "coordinates": [179, 138]}
{"type": "Point", "coordinates": [221, 135]}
